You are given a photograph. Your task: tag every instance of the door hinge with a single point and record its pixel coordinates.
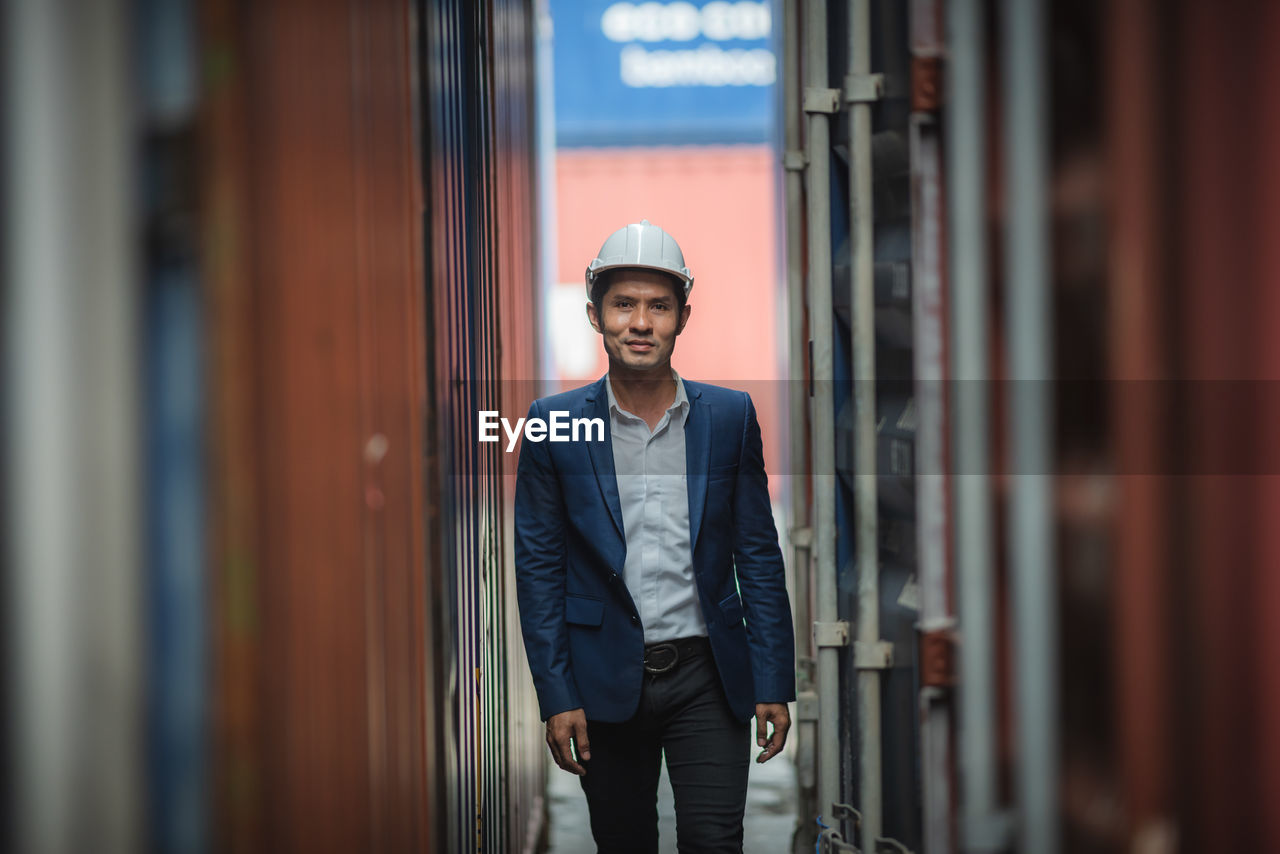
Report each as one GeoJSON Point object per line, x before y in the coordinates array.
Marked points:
{"type": "Point", "coordinates": [872, 655]}
{"type": "Point", "coordinates": [831, 634]}
{"type": "Point", "coordinates": [863, 88]}
{"type": "Point", "coordinates": [821, 100]}
{"type": "Point", "coordinates": [807, 706]}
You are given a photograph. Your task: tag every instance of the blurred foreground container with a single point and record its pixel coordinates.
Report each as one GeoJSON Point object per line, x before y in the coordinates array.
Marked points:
{"type": "Point", "coordinates": [263, 262]}
{"type": "Point", "coordinates": [1075, 204]}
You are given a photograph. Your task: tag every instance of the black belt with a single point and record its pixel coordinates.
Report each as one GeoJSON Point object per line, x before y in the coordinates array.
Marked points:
{"type": "Point", "coordinates": [663, 657]}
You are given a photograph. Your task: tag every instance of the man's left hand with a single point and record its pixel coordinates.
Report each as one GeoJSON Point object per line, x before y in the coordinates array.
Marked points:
{"type": "Point", "coordinates": [781, 718]}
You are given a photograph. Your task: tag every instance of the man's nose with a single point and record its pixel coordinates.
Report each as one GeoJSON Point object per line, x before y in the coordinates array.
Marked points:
{"type": "Point", "coordinates": [640, 320]}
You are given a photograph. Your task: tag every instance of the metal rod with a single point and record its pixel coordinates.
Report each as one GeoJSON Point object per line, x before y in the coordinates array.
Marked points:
{"type": "Point", "coordinates": [823, 425]}
{"type": "Point", "coordinates": [1028, 335]}
{"type": "Point", "coordinates": [797, 345]}
{"type": "Point", "coordinates": [548, 233]}
{"type": "Point", "coordinates": [931, 483]}
{"type": "Point", "coordinates": [862, 299]}
{"type": "Point", "coordinates": [73, 590]}
{"type": "Point", "coordinates": [801, 563]}
{"type": "Point", "coordinates": [970, 449]}
{"type": "Point", "coordinates": [929, 340]}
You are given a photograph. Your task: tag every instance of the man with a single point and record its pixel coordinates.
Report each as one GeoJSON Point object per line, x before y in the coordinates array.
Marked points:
{"type": "Point", "coordinates": [637, 560]}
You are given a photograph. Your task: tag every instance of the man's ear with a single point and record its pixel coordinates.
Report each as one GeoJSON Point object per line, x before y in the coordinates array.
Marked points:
{"type": "Point", "coordinates": [593, 315]}
{"type": "Point", "coordinates": [684, 318]}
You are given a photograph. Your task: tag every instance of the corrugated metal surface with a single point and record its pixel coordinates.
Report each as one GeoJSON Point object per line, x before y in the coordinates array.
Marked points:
{"type": "Point", "coordinates": [1220, 238]}
{"type": "Point", "coordinates": [315, 274]}
{"type": "Point", "coordinates": [234, 525]}
{"type": "Point", "coordinates": [1193, 268]}
{"type": "Point", "coordinates": [1141, 732]}
{"type": "Point", "coordinates": [477, 77]}
{"type": "Point", "coordinates": [1162, 199]}
{"type": "Point", "coordinates": [370, 210]}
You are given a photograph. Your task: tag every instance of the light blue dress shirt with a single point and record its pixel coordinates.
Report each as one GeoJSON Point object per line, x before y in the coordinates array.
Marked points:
{"type": "Point", "coordinates": [653, 492]}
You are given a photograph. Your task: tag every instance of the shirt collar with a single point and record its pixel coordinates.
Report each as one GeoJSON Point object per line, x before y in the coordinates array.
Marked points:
{"type": "Point", "coordinates": [680, 405]}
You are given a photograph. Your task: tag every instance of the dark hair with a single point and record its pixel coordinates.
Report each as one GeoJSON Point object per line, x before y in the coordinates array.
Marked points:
{"type": "Point", "coordinates": [605, 280]}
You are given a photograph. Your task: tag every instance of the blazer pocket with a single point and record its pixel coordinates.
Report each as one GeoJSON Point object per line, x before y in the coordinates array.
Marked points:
{"type": "Point", "coordinates": [723, 471]}
{"type": "Point", "coordinates": [583, 610]}
{"type": "Point", "coordinates": [731, 609]}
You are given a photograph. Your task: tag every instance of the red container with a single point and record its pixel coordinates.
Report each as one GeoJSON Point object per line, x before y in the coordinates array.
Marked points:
{"type": "Point", "coordinates": [719, 203]}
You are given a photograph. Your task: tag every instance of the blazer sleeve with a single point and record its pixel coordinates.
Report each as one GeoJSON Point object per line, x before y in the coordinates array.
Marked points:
{"type": "Point", "coordinates": [757, 560]}
{"type": "Point", "coordinates": [540, 576]}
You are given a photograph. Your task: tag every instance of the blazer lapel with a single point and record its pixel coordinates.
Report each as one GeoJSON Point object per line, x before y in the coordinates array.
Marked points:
{"type": "Point", "coordinates": [602, 455]}
{"type": "Point", "coordinates": [697, 454]}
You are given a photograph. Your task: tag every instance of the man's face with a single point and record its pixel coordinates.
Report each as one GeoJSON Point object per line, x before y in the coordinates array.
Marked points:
{"type": "Point", "coordinates": [639, 318]}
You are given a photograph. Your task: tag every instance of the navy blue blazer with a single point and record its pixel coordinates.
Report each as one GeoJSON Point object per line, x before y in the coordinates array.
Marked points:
{"type": "Point", "coordinates": [581, 628]}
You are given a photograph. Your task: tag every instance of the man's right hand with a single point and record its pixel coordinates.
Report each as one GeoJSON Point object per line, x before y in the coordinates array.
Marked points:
{"type": "Point", "coordinates": [566, 726]}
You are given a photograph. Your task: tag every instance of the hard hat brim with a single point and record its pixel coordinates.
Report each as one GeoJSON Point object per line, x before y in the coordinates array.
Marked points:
{"type": "Point", "coordinates": [596, 268]}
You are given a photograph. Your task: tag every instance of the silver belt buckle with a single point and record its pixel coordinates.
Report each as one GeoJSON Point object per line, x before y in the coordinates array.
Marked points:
{"type": "Point", "coordinates": [659, 653]}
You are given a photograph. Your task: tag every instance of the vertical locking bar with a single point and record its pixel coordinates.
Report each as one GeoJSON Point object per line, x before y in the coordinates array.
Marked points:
{"type": "Point", "coordinates": [862, 88]}
{"type": "Point", "coordinates": [1028, 335]}
{"type": "Point", "coordinates": [818, 199]}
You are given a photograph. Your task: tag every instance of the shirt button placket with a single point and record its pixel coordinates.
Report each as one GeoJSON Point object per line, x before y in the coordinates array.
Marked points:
{"type": "Point", "coordinates": [651, 487]}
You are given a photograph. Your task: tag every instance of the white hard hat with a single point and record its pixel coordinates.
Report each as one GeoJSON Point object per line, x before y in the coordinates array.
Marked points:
{"type": "Point", "coordinates": [641, 244]}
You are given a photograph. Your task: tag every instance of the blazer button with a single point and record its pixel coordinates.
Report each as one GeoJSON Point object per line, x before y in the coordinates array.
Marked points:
{"type": "Point", "coordinates": [613, 576]}
{"type": "Point", "coordinates": [634, 619]}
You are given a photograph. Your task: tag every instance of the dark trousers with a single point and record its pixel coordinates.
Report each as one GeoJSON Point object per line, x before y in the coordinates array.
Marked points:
{"type": "Point", "coordinates": [684, 714]}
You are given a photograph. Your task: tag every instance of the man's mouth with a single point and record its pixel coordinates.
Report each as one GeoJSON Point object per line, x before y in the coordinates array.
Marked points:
{"type": "Point", "coordinates": [640, 345]}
